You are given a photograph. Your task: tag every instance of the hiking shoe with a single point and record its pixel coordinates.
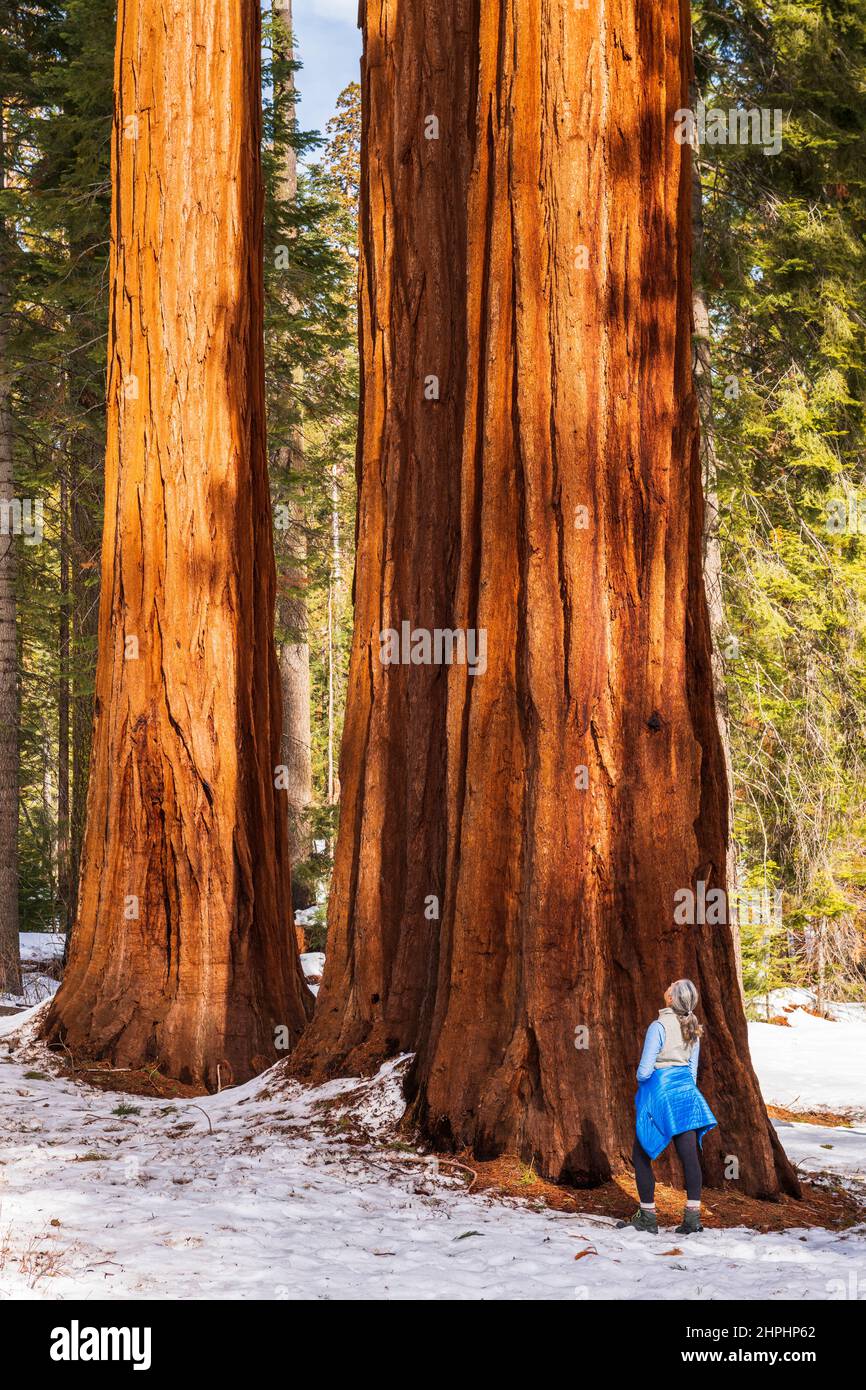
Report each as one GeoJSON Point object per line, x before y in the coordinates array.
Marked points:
{"type": "Point", "coordinates": [691, 1223]}
{"type": "Point", "coordinates": [641, 1221]}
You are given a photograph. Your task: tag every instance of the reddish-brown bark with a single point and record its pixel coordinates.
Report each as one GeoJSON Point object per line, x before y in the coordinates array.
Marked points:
{"type": "Point", "coordinates": [184, 826]}
{"type": "Point", "coordinates": [391, 849]}
{"type": "Point", "coordinates": [565, 384]}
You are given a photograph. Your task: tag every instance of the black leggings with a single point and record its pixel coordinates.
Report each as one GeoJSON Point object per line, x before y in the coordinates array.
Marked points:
{"type": "Point", "coordinates": [686, 1145]}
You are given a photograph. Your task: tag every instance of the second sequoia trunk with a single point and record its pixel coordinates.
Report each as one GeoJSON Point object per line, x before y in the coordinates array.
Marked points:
{"type": "Point", "coordinates": [529, 476]}
{"type": "Point", "coordinates": [183, 954]}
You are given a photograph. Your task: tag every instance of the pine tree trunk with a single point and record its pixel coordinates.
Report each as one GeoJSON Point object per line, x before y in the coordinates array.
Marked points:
{"type": "Point", "coordinates": [10, 968]}
{"type": "Point", "coordinates": [712, 545]}
{"type": "Point", "coordinates": [334, 579]}
{"type": "Point", "coordinates": [329, 655]}
{"type": "Point", "coordinates": [64, 866]}
{"type": "Point", "coordinates": [294, 653]}
{"type": "Point", "coordinates": [294, 664]}
{"type": "Point", "coordinates": [85, 504]}
{"type": "Point", "coordinates": [183, 952]}
{"type": "Point", "coordinates": [535, 258]}
{"type": "Point", "coordinates": [295, 684]}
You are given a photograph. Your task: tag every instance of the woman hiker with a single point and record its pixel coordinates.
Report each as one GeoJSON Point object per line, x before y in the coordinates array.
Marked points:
{"type": "Point", "coordinates": [670, 1106]}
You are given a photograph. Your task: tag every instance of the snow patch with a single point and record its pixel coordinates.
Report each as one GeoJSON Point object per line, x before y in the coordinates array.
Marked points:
{"type": "Point", "coordinates": [815, 1063]}
{"type": "Point", "coordinates": [41, 946]}
{"type": "Point", "coordinates": [312, 964]}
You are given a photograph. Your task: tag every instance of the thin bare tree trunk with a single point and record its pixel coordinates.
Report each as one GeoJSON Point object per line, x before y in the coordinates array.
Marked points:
{"type": "Point", "coordinates": [10, 968]}
{"type": "Point", "coordinates": [183, 953]}
{"type": "Point", "coordinates": [529, 470]}
{"type": "Point", "coordinates": [822, 967]}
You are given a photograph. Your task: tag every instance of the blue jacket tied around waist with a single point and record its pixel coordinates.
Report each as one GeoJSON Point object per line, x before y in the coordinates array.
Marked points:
{"type": "Point", "coordinates": [668, 1104]}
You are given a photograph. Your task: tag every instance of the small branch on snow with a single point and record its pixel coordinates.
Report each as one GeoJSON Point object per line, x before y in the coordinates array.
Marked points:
{"type": "Point", "coordinates": [449, 1162]}
{"type": "Point", "coordinates": [207, 1117]}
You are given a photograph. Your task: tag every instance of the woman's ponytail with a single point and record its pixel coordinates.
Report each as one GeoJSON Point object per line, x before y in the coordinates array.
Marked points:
{"type": "Point", "coordinates": [684, 1001]}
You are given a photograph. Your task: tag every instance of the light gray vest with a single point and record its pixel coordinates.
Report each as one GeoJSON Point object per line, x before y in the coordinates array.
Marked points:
{"type": "Point", "coordinates": [676, 1051]}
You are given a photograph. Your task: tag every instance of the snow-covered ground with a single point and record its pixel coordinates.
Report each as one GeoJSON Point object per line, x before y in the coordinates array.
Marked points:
{"type": "Point", "coordinates": [312, 964]}
{"type": "Point", "coordinates": [302, 1193]}
{"type": "Point", "coordinates": [815, 1063]}
{"type": "Point", "coordinates": [41, 946]}
{"type": "Point", "coordinates": [39, 951]}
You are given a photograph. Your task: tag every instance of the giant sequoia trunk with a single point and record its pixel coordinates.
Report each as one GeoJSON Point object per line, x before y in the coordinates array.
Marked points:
{"type": "Point", "coordinates": [534, 258]}
{"type": "Point", "coordinates": [390, 857]}
{"type": "Point", "coordinates": [183, 952]}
